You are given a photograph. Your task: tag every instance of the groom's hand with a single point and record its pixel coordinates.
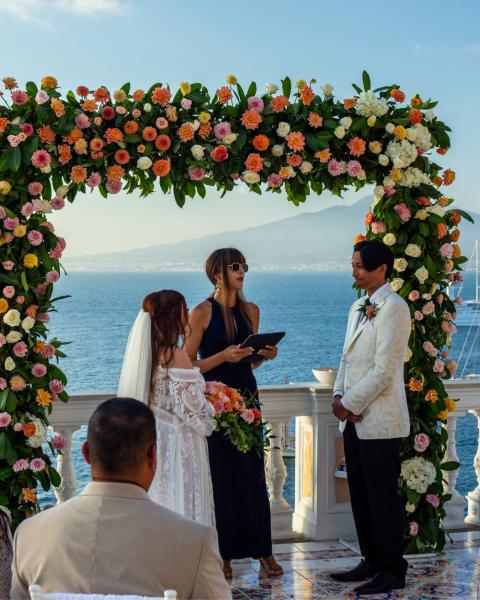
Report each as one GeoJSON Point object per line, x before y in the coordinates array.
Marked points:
{"type": "Point", "coordinates": [338, 409]}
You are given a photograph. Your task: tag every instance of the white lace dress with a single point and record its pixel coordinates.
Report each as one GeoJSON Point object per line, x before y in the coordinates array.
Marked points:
{"type": "Point", "coordinates": [184, 418]}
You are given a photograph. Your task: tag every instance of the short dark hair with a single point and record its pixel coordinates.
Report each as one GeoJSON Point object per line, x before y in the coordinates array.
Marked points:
{"type": "Point", "coordinates": [120, 431]}
{"type": "Point", "coordinates": [375, 253]}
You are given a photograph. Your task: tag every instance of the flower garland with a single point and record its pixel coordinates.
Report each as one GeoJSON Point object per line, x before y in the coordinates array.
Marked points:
{"type": "Point", "coordinates": [295, 140]}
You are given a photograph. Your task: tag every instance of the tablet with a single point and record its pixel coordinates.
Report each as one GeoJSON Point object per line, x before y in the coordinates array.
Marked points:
{"type": "Point", "coordinates": [258, 341]}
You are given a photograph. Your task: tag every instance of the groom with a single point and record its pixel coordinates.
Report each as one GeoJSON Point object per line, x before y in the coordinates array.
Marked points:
{"type": "Point", "coordinates": [370, 401]}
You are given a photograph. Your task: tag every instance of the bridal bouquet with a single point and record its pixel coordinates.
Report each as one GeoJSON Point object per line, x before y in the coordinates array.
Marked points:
{"type": "Point", "coordinates": [237, 416]}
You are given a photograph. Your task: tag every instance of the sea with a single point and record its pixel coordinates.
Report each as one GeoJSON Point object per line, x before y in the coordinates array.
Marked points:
{"type": "Point", "coordinates": [311, 307]}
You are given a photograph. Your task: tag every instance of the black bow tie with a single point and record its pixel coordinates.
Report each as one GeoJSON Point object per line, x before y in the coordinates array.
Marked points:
{"type": "Point", "coordinates": [367, 302]}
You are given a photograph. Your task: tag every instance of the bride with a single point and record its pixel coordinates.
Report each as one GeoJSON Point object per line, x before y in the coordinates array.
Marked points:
{"type": "Point", "coordinates": [157, 371]}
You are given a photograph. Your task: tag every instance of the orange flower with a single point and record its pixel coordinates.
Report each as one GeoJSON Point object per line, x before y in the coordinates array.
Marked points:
{"type": "Point", "coordinates": [296, 141]}
{"type": "Point", "coordinates": [219, 154]}
{"type": "Point", "coordinates": [455, 216]}
{"type": "Point", "coordinates": [81, 146]}
{"type": "Point", "coordinates": [431, 396]}
{"type": "Point", "coordinates": [400, 132]}
{"type": "Point", "coordinates": [3, 124]}
{"type": "Point", "coordinates": [46, 134]}
{"type": "Point", "coordinates": [49, 82]}
{"type": "Point", "coordinates": [43, 398]}
{"type": "Point", "coordinates": [122, 157]}
{"type": "Point", "coordinates": [397, 95]}
{"type": "Point", "coordinates": [323, 155]}
{"type": "Point", "coordinates": [101, 94]}
{"type": "Point", "coordinates": [359, 238]}
{"type": "Point", "coordinates": [315, 120]}
{"type": "Point", "coordinates": [64, 154]}
{"type": "Point", "coordinates": [307, 95]}
{"type": "Point", "coordinates": [442, 230]}
{"type": "Point", "coordinates": [171, 113]}
{"type": "Point", "coordinates": [443, 201]}
{"type": "Point", "coordinates": [279, 103]}
{"type": "Point", "coordinates": [29, 429]}
{"type": "Point", "coordinates": [251, 119]}
{"type": "Point", "coordinates": [369, 218]}
{"type": "Point", "coordinates": [349, 103]}
{"type": "Point", "coordinates": [57, 107]}
{"type": "Point", "coordinates": [161, 167]}
{"type": "Point", "coordinates": [204, 130]}
{"type": "Point", "coordinates": [3, 305]}
{"type": "Point", "coordinates": [295, 160]}
{"type": "Point", "coordinates": [437, 180]}
{"type": "Point", "coordinates": [442, 151]}
{"type": "Point", "coordinates": [161, 95]}
{"type": "Point", "coordinates": [78, 174]}
{"type": "Point", "coordinates": [29, 495]}
{"type": "Point", "coordinates": [260, 142]}
{"type": "Point", "coordinates": [97, 144]}
{"type": "Point", "coordinates": [149, 134]}
{"type": "Point", "coordinates": [455, 235]}
{"type": "Point", "coordinates": [138, 95]}
{"type": "Point", "coordinates": [415, 385]}
{"type": "Point", "coordinates": [89, 106]}
{"type": "Point", "coordinates": [163, 143]}
{"type": "Point", "coordinates": [10, 83]}
{"type": "Point", "coordinates": [186, 132]}
{"type": "Point", "coordinates": [73, 136]}
{"type": "Point", "coordinates": [457, 251]}
{"type": "Point", "coordinates": [285, 172]}
{"type": "Point", "coordinates": [448, 177]}
{"type": "Point", "coordinates": [254, 162]}
{"type": "Point", "coordinates": [115, 172]}
{"type": "Point", "coordinates": [113, 135]}
{"type": "Point", "coordinates": [141, 148]}
{"type": "Point", "coordinates": [32, 310]}
{"type": "Point", "coordinates": [442, 415]}
{"type": "Point", "coordinates": [415, 116]}
{"type": "Point", "coordinates": [416, 100]}
{"type": "Point", "coordinates": [224, 94]}
{"type": "Point", "coordinates": [130, 127]}
{"type": "Point", "coordinates": [357, 146]}
{"type": "Point", "coordinates": [423, 201]}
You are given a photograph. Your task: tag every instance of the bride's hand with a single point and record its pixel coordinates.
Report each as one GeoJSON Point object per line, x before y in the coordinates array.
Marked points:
{"type": "Point", "coordinates": [269, 352]}
{"type": "Point", "coordinates": [233, 354]}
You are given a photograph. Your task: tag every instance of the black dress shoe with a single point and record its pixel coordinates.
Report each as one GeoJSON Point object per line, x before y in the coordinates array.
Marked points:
{"type": "Point", "coordinates": [383, 582]}
{"type": "Point", "coordinates": [361, 572]}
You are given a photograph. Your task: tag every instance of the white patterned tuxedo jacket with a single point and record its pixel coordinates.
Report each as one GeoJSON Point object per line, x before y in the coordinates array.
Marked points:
{"type": "Point", "coordinates": [371, 373]}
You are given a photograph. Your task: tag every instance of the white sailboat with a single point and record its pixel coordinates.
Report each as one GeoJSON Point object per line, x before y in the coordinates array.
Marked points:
{"type": "Point", "coordinates": [468, 314]}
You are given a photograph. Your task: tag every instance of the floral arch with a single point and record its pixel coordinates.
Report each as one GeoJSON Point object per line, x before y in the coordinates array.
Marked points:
{"type": "Point", "coordinates": [292, 139]}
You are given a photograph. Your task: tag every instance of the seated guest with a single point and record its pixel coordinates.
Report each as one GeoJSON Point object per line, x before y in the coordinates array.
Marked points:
{"type": "Point", "coordinates": [112, 539]}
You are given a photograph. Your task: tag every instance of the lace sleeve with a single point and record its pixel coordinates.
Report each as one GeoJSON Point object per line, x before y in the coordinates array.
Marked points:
{"type": "Point", "coordinates": [193, 408]}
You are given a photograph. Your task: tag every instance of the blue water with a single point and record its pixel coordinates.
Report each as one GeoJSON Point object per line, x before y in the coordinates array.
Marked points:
{"type": "Point", "coordinates": [311, 307]}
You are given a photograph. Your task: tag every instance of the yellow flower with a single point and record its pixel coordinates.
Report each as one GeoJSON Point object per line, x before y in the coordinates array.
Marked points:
{"type": "Point", "coordinates": [301, 83]}
{"type": "Point", "coordinates": [400, 132]}
{"type": "Point", "coordinates": [49, 82]}
{"type": "Point", "coordinates": [185, 87]}
{"type": "Point", "coordinates": [457, 251]}
{"type": "Point", "coordinates": [371, 121]}
{"type": "Point", "coordinates": [43, 398]}
{"type": "Point", "coordinates": [81, 146]}
{"type": "Point", "coordinates": [231, 80]}
{"type": "Point", "coordinates": [396, 174]}
{"type": "Point", "coordinates": [204, 117]}
{"type": "Point", "coordinates": [120, 95]}
{"type": "Point", "coordinates": [3, 305]}
{"type": "Point", "coordinates": [450, 402]}
{"type": "Point", "coordinates": [443, 201]}
{"type": "Point", "coordinates": [20, 231]}
{"type": "Point", "coordinates": [5, 188]}
{"type": "Point", "coordinates": [30, 261]}
{"type": "Point", "coordinates": [29, 495]}
{"type": "Point", "coordinates": [442, 415]}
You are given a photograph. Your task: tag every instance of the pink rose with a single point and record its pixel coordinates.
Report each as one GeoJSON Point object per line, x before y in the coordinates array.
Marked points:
{"type": "Point", "coordinates": [3, 340]}
{"type": "Point", "coordinates": [421, 442]}
{"type": "Point", "coordinates": [428, 308]}
{"type": "Point", "coordinates": [9, 291]}
{"type": "Point", "coordinates": [82, 121]}
{"type": "Point", "coordinates": [43, 317]}
{"type": "Point", "coordinates": [354, 168]}
{"type": "Point", "coordinates": [13, 140]}
{"type": "Point", "coordinates": [20, 349]}
{"type": "Point", "coordinates": [56, 386]}
{"type": "Point", "coordinates": [274, 181]}
{"type": "Point", "coordinates": [438, 366]}
{"type": "Point", "coordinates": [19, 97]}
{"type": "Point", "coordinates": [418, 315]}
{"type": "Point", "coordinates": [186, 103]}
{"type": "Point", "coordinates": [5, 419]}
{"type": "Point", "coordinates": [59, 442]}
{"type": "Point", "coordinates": [413, 295]}
{"type": "Point", "coordinates": [196, 173]}
{"type": "Point", "coordinates": [35, 237]}
{"type": "Point", "coordinates": [433, 500]}
{"type": "Point", "coordinates": [413, 530]}
{"type": "Point", "coordinates": [388, 190]}
{"type": "Point", "coordinates": [39, 370]}
{"type": "Point", "coordinates": [3, 383]}
{"type": "Point", "coordinates": [41, 288]}
{"type": "Point", "coordinates": [52, 276]}
{"type": "Point", "coordinates": [57, 203]}
{"type": "Point", "coordinates": [248, 416]}
{"type": "Point", "coordinates": [430, 348]}
{"type": "Point", "coordinates": [446, 250]}
{"type": "Point", "coordinates": [35, 188]}
{"type": "Point", "coordinates": [161, 123]}
{"type": "Point", "coordinates": [27, 209]}
{"type": "Point", "coordinates": [8, 265]}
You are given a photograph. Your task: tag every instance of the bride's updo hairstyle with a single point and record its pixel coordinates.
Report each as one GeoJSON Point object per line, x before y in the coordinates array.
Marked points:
{"type": "Point", "coordinates": [168, 312]}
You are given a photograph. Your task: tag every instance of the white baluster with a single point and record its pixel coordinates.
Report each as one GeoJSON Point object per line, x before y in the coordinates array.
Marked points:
{"type": "Point", "coordinates": [68, 485]}
{"type": "Point", "coordinates": [276, 474]}
{"type": "Point", "coordinates": [473, 498]}
{"type": "Point", "coordinates": [455, 508]}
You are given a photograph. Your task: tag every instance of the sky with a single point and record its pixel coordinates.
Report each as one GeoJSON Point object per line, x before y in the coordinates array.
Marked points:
{"type": "Point", "coordinates": [432, 48]}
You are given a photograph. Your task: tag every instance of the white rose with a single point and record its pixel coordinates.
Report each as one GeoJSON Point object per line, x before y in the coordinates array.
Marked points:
{"type": "Point", "coordinates": [421, 214]}
{"type": "Point", "coordinates": [147, 107]}
{"type": "Point", "coordinates": [28, 323]}
{"type": "Point", "coordinates": [409, 507]}
{"type": "Point", "coordinates": [283, 129]}
{"type": "Point", "coordinates": [46, 207]}
{"type": "Point", "coordinates": [12, 318]}
{"type": "Point", "coordinates": [327, 89]}
{"type": "Point", "coordinates": [196, 125]}
{"type": "Point", "coordinates": [398, 163]}
{"type": "Point", "coordinates": [388, 181]}
{"type": "Point", "coordinates": [290, 172]}
{"type": "Point", "coordinates": [400, 264]}
{"type": "Point", "coordinates": [421, 274]}
{"type": "Point", "coordinates": [230, 138]}
{"type": "Point", "coordinates": [346, 122]}
{"type": "Point", "coordinates": [436, 210]}
{"type": "Point", "coordinates": [271, 88]}
{"type": "Point", "coordinates": [383, 160]}
{"type": "Point", "coordinates": [396, 284]}
{"type": "Point", "coordinates": [389, 127]}
{"type": "Point", "coordinates": [306, 167]}
{"type": "Point", "coordinates": [340, 132]}
{"type": "Point", "coordinates": [62, 191]}
{"type": "Point", "coordinates": [389, 239]}
{"type": "Point", "coordinates": [46, 170]}
{"type": "Point", "coordinates": [197, 151]}
{"type": "Point", "coordinates": [379, 191]}
{"type": "Point", "coordinates": [430, 115]}
{"type": "Point", "coordinates": [251, 177]}
{"type": "Point", "coordinates": [14, 336]}
{"type": "Point", "coordinates": [408, 355]}
{"type": "Point", "coordinates": [277, 150]}
{"type": "Point", "coordinates": [413, 250]}
{"type": "Point", "coordinates": [144, 163]}
{"type": "Point", "coordinates": [411, 134]}
{"type": "Point", "coordinates": [362, 175]}
{"type": "Point", "coordinates": [9, 364]}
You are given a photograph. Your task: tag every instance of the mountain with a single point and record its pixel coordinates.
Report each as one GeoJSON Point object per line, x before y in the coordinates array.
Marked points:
{"type": "Point", "coordinates": [319, 240]}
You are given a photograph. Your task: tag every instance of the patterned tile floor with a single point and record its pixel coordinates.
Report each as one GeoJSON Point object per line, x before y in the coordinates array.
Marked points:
{"type": "Point", "coordinates": [455, 574]}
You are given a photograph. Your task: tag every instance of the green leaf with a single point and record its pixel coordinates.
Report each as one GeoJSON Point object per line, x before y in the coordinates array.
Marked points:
{"type": "Point", "coordinates": [12, 402]}
{"type": "Point", "coordinates": [5, 445]}
{"type": "Point", "coordinates": [197, 97]}
{"type": "Point", "coordinates": [8, 278]}
{"type": "Point", "coordinates": [358, 124]}
{"type": "Point", "coordinates": [32, 88]}
{"type": "Point", "coordinates": [15, 159]}
{"type": "Point", "coordinates": [286, 87]}
{"type": "Point", "coordinates": [23, 279]}
{"type": "Point", "coordinates": [252, 89]}
{"type": "Point", "coordinates": [357, 88]}
{"type": "Point", "coordinates": [4, 473]}
{"type": "Point", "coordinates": [132, 139]}
{"type": "Point", "coordinates": [465, 215]}
{"type": "Point", "coordinates": [201, 189]}
{"type": "Point", "coordinates": [126, 87]}
{"type": "Point", "coordinates": [54, 476]}
{"type": "Point", "coordinates": [451, 465]}
{"type": "Point", "coordinates": [366, 81]}
{"type": "Point", "coordinates": [3, 399]}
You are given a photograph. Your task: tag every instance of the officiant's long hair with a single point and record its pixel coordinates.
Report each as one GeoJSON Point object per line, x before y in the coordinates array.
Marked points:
{"type": "Point", "coordinates": [216, 268]}
{"type": "Point", "coordinates": [167, 310]}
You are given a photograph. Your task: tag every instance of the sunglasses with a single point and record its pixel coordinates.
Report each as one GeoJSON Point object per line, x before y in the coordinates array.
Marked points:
{"type": "Point", "coordinates": [236, 267]}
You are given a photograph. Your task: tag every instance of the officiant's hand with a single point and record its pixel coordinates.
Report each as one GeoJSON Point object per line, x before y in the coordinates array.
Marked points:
{"type": "Point", "coordinates": [269, 352]}
{"type": "Point", "coordinates": [338, 409]}
{"type": "Point", "coordinates": [234, 353]}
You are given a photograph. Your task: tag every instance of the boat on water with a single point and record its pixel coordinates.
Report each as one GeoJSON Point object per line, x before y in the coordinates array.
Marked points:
{"type": "Point", "coordinates": [468, 314]}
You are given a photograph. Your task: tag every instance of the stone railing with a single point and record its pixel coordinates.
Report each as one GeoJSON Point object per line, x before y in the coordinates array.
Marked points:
{"type": "Point", "coordinates": [322, 508]}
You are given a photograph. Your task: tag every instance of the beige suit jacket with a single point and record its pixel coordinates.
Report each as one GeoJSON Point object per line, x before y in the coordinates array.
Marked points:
{"type": "Point", "coordinates": [112, 539]}
{"type": "Point", "coordinates": [371, 373]}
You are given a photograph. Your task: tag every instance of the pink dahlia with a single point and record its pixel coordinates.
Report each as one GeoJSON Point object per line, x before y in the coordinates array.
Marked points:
{"type": "Point", "coordinates": [57, 203]}
{"type": "Point", "coordinates": [94, 180]}
{"type": "Point", "coordinates": [388, 191]}
{"type": "Point", "coordinates": [27, 129]}
{"type": "Point", "coordinates": [20, 465]}
{"type": "Point", "coordinates": [10, 223]}
{"type": "Point", "coordinates": [27, 209]}
{"type": "Point", "coordinates": [35, 237]}
{"type": "Point", "coordinates": [186, 103]}
{"type": "Point", "coordinates": [3, 383]}
{"type": "Point", "coordinates": [446, 250]}
{"type": "Point", "coordinates": [378, 227]}
{"type": "Point", "coordinates": [255, 103]}
{"type": "Point", "coordinates": [5, 419]}
{"type": "Point", "coordinates": [19, 97]}
{"type": "Point", "coordinates": [433, 499]}
{"type": "Point", "coordinates": [42, 97]}
{"type": "Point", "coordinates": [41, 288]}
{"type": "Point", "coordinates": [248, 416]}
{"type": "Point", "coordinates": [196, 173]}
{"type": "Point", "coordinates": [403, 212]}
{"type": "Point", "coordinates": [59, 442]}
{"type": "Point", "coordinates": [354, 168]}
{"type": "Point", "coordinates": [37, 464]}
{"type": "Point", "coordinates": [114, 185]}
{"type": "Point", "coordinates": [52, 276]}
{"type": "Point", "coordinates": [41, 159]}
{"type": "Point", "coordinates": [17, 383]}
{"type": "Point", "coordinates": [108, 113]}
{"type": "Point", "coordinates": [274, 181]}
{"type": "Point", "coordinates": [20, 349]}
{"type": "Point", "coordinates": [161, 123]}
{"type": "Point", "coordinates": [335, 168]}
{"type": "Point", "coordinates": [82, 121]}
{"type": "Point", "coordinates": [43, 317]}
{"type": "Point", "coordinates": [9, 291]}
{"type": "Point", "coordinates": [222, 129]}
{"type": "Point", "coordinates": [39, 370]}
{"type": "Point", "coordinates": [56, 386]}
